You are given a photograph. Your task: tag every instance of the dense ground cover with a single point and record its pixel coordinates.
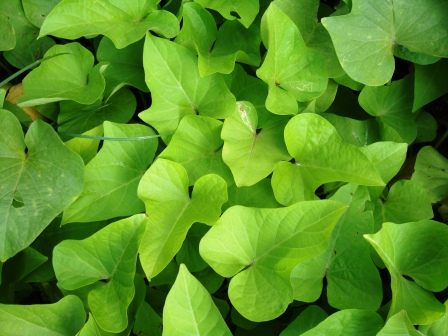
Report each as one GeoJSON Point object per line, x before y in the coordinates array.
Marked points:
{"type": "Point", "coordinates": [223, 167]}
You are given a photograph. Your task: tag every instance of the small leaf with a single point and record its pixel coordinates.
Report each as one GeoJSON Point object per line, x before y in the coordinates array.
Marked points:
{"type": "Point", "coordinates": [259, 248]}
{"type": "Point", "coordinates": [251, 153]}
{"type": "Point", "coordinates": [399, 324]}
{"type": "Point", "coordinates": [418, 250]}
{"type": "Point", "coordinates": [189, 309]}
{"type": "Point", "coordinates": [171, 211]}
{"type": "Point", "coordinates": [307, 320]}
{"type": "Point", "coordinates": [7, 36]}
{"type": "Point", "coordinates": [35, 186]}
{"type": "Point", "coordinates": [110, 254]}
{"type": "Point", "coordinates": [123, 23]}
{"type": "Point", "coordinates": [365, 39]}
{"type": "Point", "coordinates": [112, 176]}
{"type": "Point", "coordinates": [244, 11]}
{"type": "Point", "coordinates": [36, 11]}
{"type": "Point", "coordinates": [65, 77]}
{"type": "Point", "coordinates": [65, 317]}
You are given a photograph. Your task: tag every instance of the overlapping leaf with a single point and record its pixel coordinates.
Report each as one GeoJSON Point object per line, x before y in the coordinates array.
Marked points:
{"type": "Point", "coordinates": [171, 73]}
{"type": "Point", "coordinates": [431, 172]}
{"type": "Point", "coordinates": [307, 320]}
{"type": "Point", "coordinates": [71, 76]}
{"type": "Point", "coordinates": [8, 38]}
{"type": "Point", "coordinates": [353, 281]}
{"type": "Point", "coordinates": [218, 50]}
{"type": "Point", "coordinates": [112, 176]}
{"type": "Point", "coordinates": [392, 106]}
{"type": "Point", "coordinates": [36, 183]}
{"type": "Point", "coordinates": [260, 247]}
{"type": "Point", "coordinates": [65, 317]}
{"type": "Point", "coordinates": [189, 309]}
{"type": "Point", "coordinates": [123, 22]}
{"type": "Point", "coordinates": [418, 250]}
{"type": "Point", "coordinates": [320, 157]}
{"type": "Point", "coordinates": [197, 146]}
{"type": "Point", "coordinates": [109, 256]}
{"type": "Point", "coordinates": [293, 71]}
{"type": "Point", "coordinates": [365, 39]}
{"type": "Point", "coordinates": [244, 11]}
{"type": "Point", "coordinates": [36, 11]}
{"type": "Point", "coordinates": [171, 211]}
{"type": "Point", "coordinates": [251, 153]}
{"type": "Point", "coordinates": [399, 324]}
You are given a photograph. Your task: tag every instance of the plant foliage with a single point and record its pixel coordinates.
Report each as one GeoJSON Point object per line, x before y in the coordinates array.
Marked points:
{"type": "Point", "coordinates": [216, 167]}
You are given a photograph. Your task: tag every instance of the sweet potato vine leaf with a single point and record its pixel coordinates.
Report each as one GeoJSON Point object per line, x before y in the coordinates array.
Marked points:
{"type": "Point", "coordinates": [417, 250]}
{"type": "Point", "coordinates": [365, 39]}
{"type": "Point", "coordinates": [172, 75]}
{"type": "Point", "coordinates": [112, 176]}
{"type": "Point", "coordinates": [189, 309]}
{"type": "Point", "coordinates": [108, 259]}
{"type": "Point", "coordinates": [36, 183]}
{"type": "Point", "coordinates": [244, 11]}
{"type": "Point", "coordinates": [123, 22]}
{"type": "Point", "coordinates": [260, 247]}
{"type": "Point", "coordinates": [171, 210]}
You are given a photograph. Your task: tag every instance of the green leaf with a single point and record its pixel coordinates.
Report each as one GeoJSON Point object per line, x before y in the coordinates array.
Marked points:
{"type": "Point", "coordinates": [353, 281]}
{"type": "Point", "coordinates": [244, 11]}
{"type": "Point", "coordinates": [392, 105]}
{"type": "Point", "coordinates": [431, 172]}
{"type": "Point", "coordinates": [293, 71]}
{"type": "Point", "coordinates": [171, 73]}
{"type": "Point", "coordinates": [123, 23]}
{"type": "Point", "coordinates": [86, 148]}
{"type": "Point", "coordinates": [36, 184]}
{"type": "Point", "coordinates": [320, 157]}
{"type": "Point", "coordinates": [171, 211]}
{"type": "Point", "coordinates": [189, 252]}
{"type": "Point", "coordinates": [438, 328]}
{"type": "Point", "coordinates": [189, 309]}
{"type": "Point", "coordinates": [65, 77]}
{"type": "Point", "coordinates": [112, 176]}
{"type": "Point", "coordinates": [36, 11]}
{"type": "Point", "coordinates": [147, 321]}
{"type": "Point", "coordinates": [251, 153]}
{"type": "Point", "coordinates": [65, 317]}
{"type": "Point", "coordinates": [414, 57]}
{"type": "Point", "coordinates": [307, 320]}
{"type": "Point", "coordinates": [91, 328]}
{"type": "Point", "coordinates": [27, 47]}
{"type": "Point", "coordinates": [125, 65]}
{"type": "Point", "coordinates": [430, 83]}
{"type": "Point", "coordinates": [399, 324]}
{"type": "Point", "coordinates": [365, 39]}
{"type": "Point", "coordinates": [348, 322]}
{"type": "Point", "coordinates": [110, 254]}
{"type": "Point", "coordinates": [7, 34]}
{"type": "Point", "coordinates": [417, 250]}
{"type": "Point", "coordinates": [233, 41]}
{"type": "Point", "coordinates": [197, 146]}
{"type": "Point", "coordinates": [22, 264]}
{"type": "Point", "coordinates": [78, 118]}
{"type": "Point", "coordinates": [260, 247]}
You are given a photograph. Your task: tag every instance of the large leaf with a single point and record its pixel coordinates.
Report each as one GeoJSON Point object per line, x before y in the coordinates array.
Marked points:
{"type": "Point", "coordinates": [353, 281]}
{"type": "Point", "coordinates": [64, 77]}
{"type": "Point", "coordinates": [348, 322]}
{"type": "Point", "coordinates": [40, 177]}
{"type": "Point", "coordinates": [244, 11]}
{"type": "Point", "coordinates": [418, 250]}
{"type": "Point", "coordinates": [65, 317]}
{"type": "Point", "coordinates": [197, 146]}
{"type": "Point", "coordinates": [123, 22]}
{"type": "Point", "coordinates": [109, 256]}
{"type": "Point", "coordinates": [7, 35]}
{"type": "Point", "coordinates": [392, 106]}
{"type": "Point", "coordinates": [171, 210]}
{"type": "Point", "coordinates": [320, 157]}
{"type": "Point", "coordinates": [260, 247]}
{"type": "Point", "coordinates": [431, 172]}
{"type": "Point", "coordinates": [171, 73]}
{"type": "Point", "coordinates": [112, 176]}
{"type": "Point", "coordinates": [251, 153]}
{"type": "Point", "coordinates": [293, 71]}
{"type": "Point", "coordinates": [233, 41]}
{"type": "Point", "coordinates": [365, 39]}
{"type": "Point", "coordinates": [189, 309]}
{"type": "Point", "coordinates": [399, 324]}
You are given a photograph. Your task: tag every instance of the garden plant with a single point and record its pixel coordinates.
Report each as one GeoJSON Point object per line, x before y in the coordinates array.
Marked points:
{"type": "Point", "coordinates": [224, 167]}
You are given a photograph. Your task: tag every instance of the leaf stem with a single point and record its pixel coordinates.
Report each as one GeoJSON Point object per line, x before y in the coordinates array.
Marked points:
{"type": "Point", "coordinates": [95, 137]}
{"type": "Point", "coordinates": [442, 139]}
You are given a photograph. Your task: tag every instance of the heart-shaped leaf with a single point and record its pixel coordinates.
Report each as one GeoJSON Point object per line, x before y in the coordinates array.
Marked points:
{"type": "Point", "coordinates": [260, 247]}
{"type": "Point", "coordinates": [40, 177]}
